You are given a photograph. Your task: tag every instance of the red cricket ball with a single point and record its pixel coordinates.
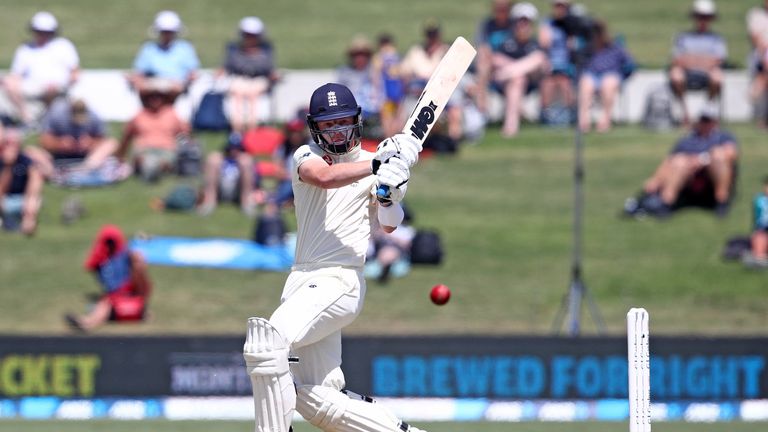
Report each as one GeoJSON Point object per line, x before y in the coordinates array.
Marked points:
{"type": "Point", "coordinates": [440, 294]}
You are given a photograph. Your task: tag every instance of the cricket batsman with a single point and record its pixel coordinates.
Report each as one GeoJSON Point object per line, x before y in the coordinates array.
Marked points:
{"type": "Point", "coordinates": [334, 185]}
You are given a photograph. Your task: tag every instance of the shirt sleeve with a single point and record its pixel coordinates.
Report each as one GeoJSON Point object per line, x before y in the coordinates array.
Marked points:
{"type": "Point", "coordinates": [96, 128]}
{"type": "Point", "coordinates": [141, 62]}
{"type": "Point", "coordinates": [70, 53]}
{"type": "Point", "coordinates": [19, 59]}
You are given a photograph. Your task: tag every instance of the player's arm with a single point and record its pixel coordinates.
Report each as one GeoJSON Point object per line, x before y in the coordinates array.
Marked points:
{"type": "Point", "coordinates": [390, 215]}
{"type": "Point", "coordinates": [318, 173]}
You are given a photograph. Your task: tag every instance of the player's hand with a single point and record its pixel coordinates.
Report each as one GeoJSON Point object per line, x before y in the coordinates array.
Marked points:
{"type": "Point", "coordinates": [402, 145]}
{"type": "Point", "coordinates": [394, 174]}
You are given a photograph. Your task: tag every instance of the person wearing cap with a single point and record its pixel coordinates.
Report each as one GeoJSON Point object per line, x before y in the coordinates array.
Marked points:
{"type": "Point", "coordinates": [706, 148]}
{"type": "Point", "coordinates": [42, 69]}
{"type": "Point", "coordinates": [249, 64]}
{"type": "Point", "coordinates": [123, 277]}
{"type": "Point", "coordinates": [491, 33]}
{"type": "Point", "coordinates": [21, 185]}
{"type": "Point", "coordinates": [359, 75]}
{"type": "Point", "coordinates": [518, 65]}
{"type": "Point", "coordinates": [336, 203]}
{"type": "Point", "coordinates": [70, 134]}
{"type": "Point", "coordinates": [418, 64]}
{"type": "Point", "coordinates": [608, 66]}
{"type": "Point", "coordinates": [166, 63]}
{"type": "Point", "coordinates": [150, 139]}
{"type": "Point", "coordinates": [757, 27]}
{"type": "Point", "coordinates": [229, 176]}
{"type": "Point", "coordinates": [698, 57]}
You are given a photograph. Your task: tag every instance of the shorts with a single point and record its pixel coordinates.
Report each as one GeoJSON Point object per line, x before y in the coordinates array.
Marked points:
{"type": "Point", "coordinates": [696, 79]}
{"type": "Point", "coordinates": [127, 308]}
{"type": "Point", "coordinates": [248, 85]}
{"type": "Point", "coordinates": [598, 78]}
{"type": "Point", "coordinates": [13, 206]}
{"type": "Point", "coordinates": [154, 161]}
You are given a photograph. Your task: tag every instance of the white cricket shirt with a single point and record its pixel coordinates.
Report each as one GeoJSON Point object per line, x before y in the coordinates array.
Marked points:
{"type": "Point", "coordinates": [334, 225]}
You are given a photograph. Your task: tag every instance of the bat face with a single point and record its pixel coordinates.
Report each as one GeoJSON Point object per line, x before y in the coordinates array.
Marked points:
{"type": "Point", "coordinates": [439, 89]}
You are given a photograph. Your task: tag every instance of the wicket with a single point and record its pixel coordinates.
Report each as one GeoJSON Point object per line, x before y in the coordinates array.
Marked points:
{"type": "Point", "coordinates": [639, 368]}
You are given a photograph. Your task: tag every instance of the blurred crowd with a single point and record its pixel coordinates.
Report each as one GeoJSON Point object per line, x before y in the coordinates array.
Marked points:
{"type": "Point", "coordinates": [572, 61]}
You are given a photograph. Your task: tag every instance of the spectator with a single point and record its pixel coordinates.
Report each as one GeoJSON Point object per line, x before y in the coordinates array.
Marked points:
{"type": "Point", "coordinates": [72, 135]}
{"type": "Point", "coordinates": [21, 185]}
{"type": "Point", "coordinates": [389, 254]}
{"type": "Point", "coordinates": [416, 69]}
{"type": "Point", "coordinates": [228, 176]}
{"type": "Point", "coordinates": [249, 63]}
{"type": "Point", "coordinates": [518, 65]}
{"type": "Point", "coordinates": [167, 60]}
{"type": "Point", "coordinates": [359, 75]}
{"type": "Point", "coordinates": [707, 149]}
{"type": "Point", "coordinates": [698, 57]}
{"type": "Point", "coordinates": [757, 26]}
{"type": "Point", "coordinates": [124, 280]}
{"type": "Point", "coordinates": [386, 64]}
{"type": "Point", "coordinates": [43, 69]}
{"type": "Point", "coordinates": [296, 135]}
{"type": "Point", "coordinates": [558, 79]}
{"type": "Point", "coordinates": [758, 255]}
{"type": "Point", "coordinates": [491, 33]}
{"type": "Point", "coordinates": [609, 65]}
{"type": "Point", "coordinates": [154, 133]}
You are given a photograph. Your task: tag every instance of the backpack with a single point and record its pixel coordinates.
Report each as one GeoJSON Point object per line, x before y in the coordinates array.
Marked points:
{"type": "Point", "coordinates": [210, 113]}
{"type": "Point", "coordinates": [658, 110]}
{"type": "Point", "coordinates": [270, 230]}
{"type": "Point", "coordinates": [735, 247]}
{"type": "Point", "coordinates": [426, 248]}
{"type": "Point", "coordinates": [190, 158]}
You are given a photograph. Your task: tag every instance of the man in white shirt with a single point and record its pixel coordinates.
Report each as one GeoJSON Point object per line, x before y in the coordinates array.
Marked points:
{"type": "Point", "coordinates": [42, 68]}
{"type": "Point", "coordinates": [335, 195]}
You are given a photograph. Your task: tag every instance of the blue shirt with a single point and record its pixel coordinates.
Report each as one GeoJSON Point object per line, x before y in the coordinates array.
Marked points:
{"type": "Point", "coordinates": [493, 34]}
{"type": "Point", "coordinates": [611, 59]}
{"type": "Point", "coordinates": [115, 272]}
{"type": "Point", "coordinates": [558, 54]}
{"type": "Point", "coordinates": [176, 62]}
{"type": "Point", "coordinates": [760, 211]}
{"type": "Point", "coordinates": [694, 143]}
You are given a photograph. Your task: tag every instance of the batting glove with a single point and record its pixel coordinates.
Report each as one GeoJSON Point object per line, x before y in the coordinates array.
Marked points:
{"type": "Point", "coordinates": [394, 174]}
{"type": "Point", "coordinates": [402, 145]}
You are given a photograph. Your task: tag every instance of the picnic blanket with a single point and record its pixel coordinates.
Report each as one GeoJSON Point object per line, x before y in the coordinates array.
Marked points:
{"type": "Point", "coordinates": [227, 253]}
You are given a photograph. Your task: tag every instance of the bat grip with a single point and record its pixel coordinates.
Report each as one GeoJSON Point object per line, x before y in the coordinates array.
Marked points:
{"type": "Point", "coordinates": [382, 192]}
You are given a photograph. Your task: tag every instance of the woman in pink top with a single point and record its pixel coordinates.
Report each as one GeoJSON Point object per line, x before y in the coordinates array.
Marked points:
{"type": "Point", "coordinates": [154, 134]}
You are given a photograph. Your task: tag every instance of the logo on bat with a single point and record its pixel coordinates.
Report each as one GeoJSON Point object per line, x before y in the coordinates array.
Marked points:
{"type": "Point", "coordinates": [425, 118]}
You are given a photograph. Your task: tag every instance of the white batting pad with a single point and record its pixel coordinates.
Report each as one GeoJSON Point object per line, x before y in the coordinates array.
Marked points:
{"type": "Point", "coordinates": [266, 361]}
{"type": "Point", "coordinates": [334, 411]}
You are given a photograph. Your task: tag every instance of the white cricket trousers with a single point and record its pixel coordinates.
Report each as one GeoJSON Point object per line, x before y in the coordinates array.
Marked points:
{"type": "Point", "coordinates": [317, 302]}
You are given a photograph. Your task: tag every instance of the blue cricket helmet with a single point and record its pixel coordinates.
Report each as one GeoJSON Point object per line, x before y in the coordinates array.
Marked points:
{"type": "Point", "coordinates": [332, 102]}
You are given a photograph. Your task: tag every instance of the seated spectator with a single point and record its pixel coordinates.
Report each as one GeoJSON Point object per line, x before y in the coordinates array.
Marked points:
{"type": "Point", "coordinates": [360, 77]}
{"type": "Point", "coordinates": [416, 69]}
{"type": "Point", "coordinates": [150, 139]}
{"type": "Point", "coordinates": [556, 86]}
{"type": "Point", "coordinates": [491, 33]}
{"type": "Point", "coordinates": [386, 64]}
{"type": "Point", "coordinates": [698, 57]}
{"type": "Point", "coordinates": [249, 64]}
{"type": "Point", "coordinates": [228, 176]}
{"type": "Point", "coordinates": [168, 59]}
{"type": "Point", "coordinates": [21, 185]}
{"type": "Point", "coordinates": [707, 150]}
{"type": "Point", "coordinates": [609, 65]}
{"type": "Point", "coordinates": [389, 254]}
{"type": "Point", "coordinates": [124, 280]}
{"type": "Point", "coordinates": [757, 26]}
{"type": "Point", "coordinates": [758, 255]}
{"type": "Point", "coordinates": [518, 65]}
{"type": "Point", "coordinates": [43, 69]}
{"type": "Point", "coordinates": [296, 135]}
{"type": "Point", "coordinates": [72, 135]}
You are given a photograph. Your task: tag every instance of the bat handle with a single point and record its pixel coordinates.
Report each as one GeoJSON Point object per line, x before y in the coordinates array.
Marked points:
{"type": "Point", "coordinates": [382, 192]}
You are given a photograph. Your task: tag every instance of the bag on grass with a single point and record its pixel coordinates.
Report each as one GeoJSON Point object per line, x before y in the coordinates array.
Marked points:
{"type": "Point", "coordinates": [270, 230]}
{"type": "Point", "coordinates": [426, 248]}
{"type": "Point", "coordinates": [735, 247]}
{"type": "Point", "coordinates": [210, 113]}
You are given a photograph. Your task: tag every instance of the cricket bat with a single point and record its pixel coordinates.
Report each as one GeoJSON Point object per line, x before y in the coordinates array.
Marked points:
{"type": "Point", "coordinates": [438, 90]}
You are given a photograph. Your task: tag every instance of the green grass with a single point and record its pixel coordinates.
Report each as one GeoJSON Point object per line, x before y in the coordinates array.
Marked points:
{"type": "Point", "coordinates": [310, 34]}
{"type": "Point", "coordinates": [229, 426]}
{"type": "Point", "coordinates": [504, 210]}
